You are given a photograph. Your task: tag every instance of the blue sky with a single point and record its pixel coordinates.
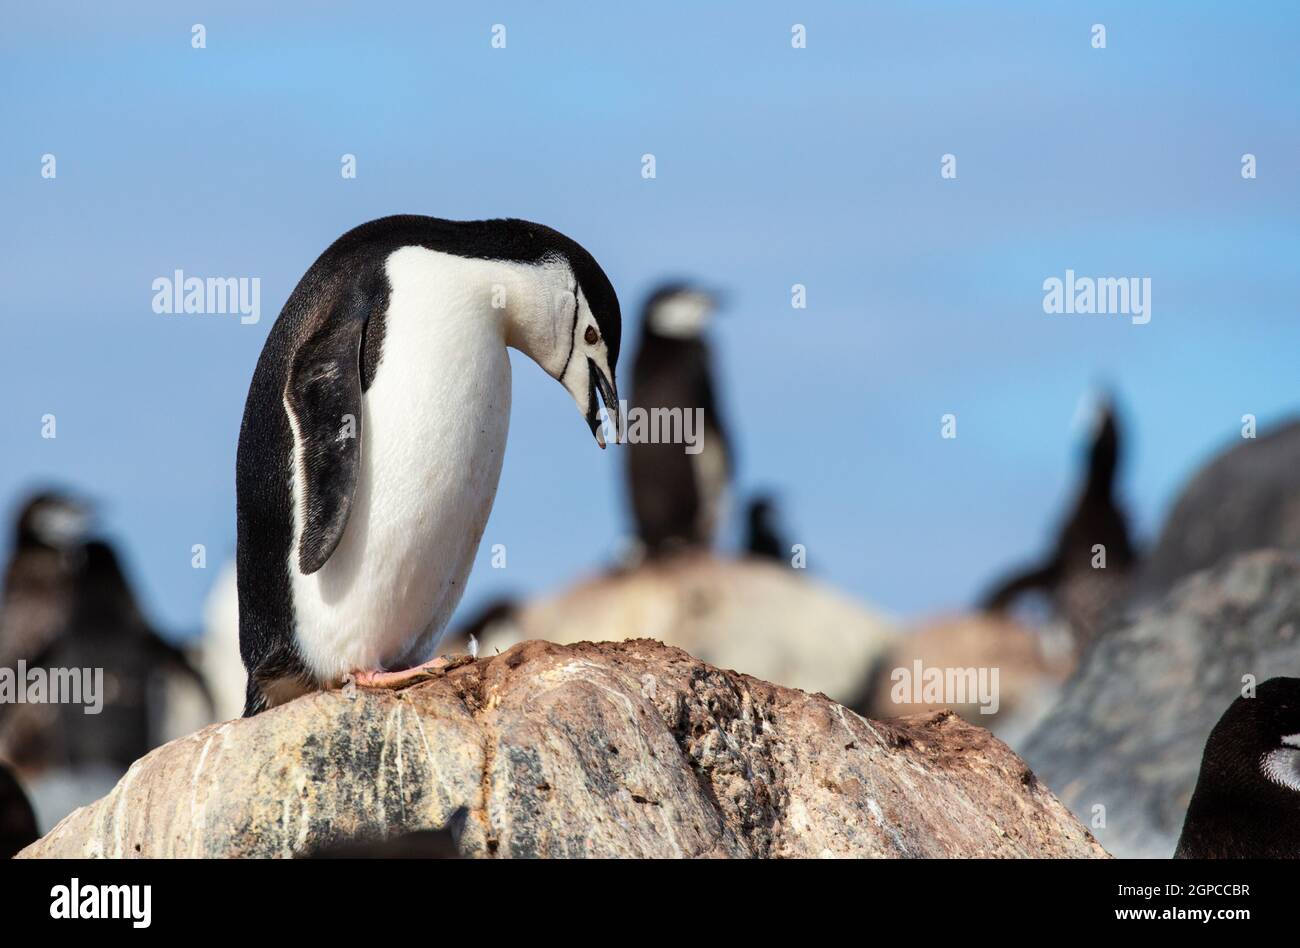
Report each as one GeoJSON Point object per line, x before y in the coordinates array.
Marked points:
{"type": "Point", "coordinates": [774, 166]}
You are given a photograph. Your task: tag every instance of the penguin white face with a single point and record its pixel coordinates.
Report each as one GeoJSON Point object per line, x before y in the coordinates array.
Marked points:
{"type": "Point", "coordinates": [588, 369]}
{"type": "Point", "coordinates": [57, 522]}
{"type": "Point", "coordinates": [1282, 765]}
{"type": "Point", "coordinates": [681, 315]}
{"type": "Point", "coordinates": [565, 316]}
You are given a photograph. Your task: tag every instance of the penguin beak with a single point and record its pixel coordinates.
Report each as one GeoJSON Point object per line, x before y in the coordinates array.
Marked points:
{"type": "Point", "coordinates": [609, 395]}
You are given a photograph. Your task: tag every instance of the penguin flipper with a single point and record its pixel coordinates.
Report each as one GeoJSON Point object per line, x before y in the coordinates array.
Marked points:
{"type": "Point", "coordinates": [1006, 592]}
{"type": "Point", "coordinates": [324, 396]}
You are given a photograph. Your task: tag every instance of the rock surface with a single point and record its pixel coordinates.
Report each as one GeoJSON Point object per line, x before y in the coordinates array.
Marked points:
{"type": "Point", "coordinates": [753, 615]}
{"type": "Point", "coordinates": [1246, 498]}
{"type": "Point", "coordinates": [1130, 727]}
{"type": "Point", "coordinates": [628, 749]}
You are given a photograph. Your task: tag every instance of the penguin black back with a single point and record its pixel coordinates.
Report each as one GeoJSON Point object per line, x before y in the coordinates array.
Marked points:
{"type": "Point", "coordinates": [1247, 798]}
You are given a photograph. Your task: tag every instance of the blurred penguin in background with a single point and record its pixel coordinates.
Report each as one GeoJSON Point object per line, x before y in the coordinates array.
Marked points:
{"type": "Point", "coordinates": [678, 491]}
{"type": "Point", "coordinates": [763, 539]}
{"type": "Point", "coordinates": [69, 606]}
{"type": "Point", "coordinates": [107, 630]}
{"type": "Point", "coordinates": [218, 654]}
{"type": "Point", "coordinates": [17, 819]}
{"type": "Point", "coordinates": [1087, 573]}
{"type": "Point", "coordinates": [48, 542]}
{"type": "Point", "coordinates": [48, 554]}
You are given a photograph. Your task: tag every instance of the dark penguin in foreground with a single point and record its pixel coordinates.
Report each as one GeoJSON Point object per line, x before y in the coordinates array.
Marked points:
{"type": "Point", "coordinates": [1081, 592]}
{"type": "Point", "coordinates": [47, 549]}
{"type": "Point", "coordinates": [374, 432]}
{"type": "Point", "coordinates": [676, 495]}
{"type": "Point", "coordinates": [763, 539]}
{"type": "Point", "coordinates": [1247, 798]}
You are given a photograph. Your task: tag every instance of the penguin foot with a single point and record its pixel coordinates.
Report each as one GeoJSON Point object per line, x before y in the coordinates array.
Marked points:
{"type": "Point", "coordinates": [401, 679]}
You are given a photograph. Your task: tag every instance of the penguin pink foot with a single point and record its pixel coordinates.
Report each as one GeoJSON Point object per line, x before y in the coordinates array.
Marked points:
{"type": "Point", "coordinates": [394, 680]}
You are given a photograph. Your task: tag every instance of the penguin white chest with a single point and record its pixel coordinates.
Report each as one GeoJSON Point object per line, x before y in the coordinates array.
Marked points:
{"type": "Point", "coordinates": [433, 438]}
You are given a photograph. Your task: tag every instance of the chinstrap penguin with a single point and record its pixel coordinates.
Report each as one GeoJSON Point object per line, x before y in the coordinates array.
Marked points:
{"type": "Point", "coordinates": [1247, 798]}
{"type": "Point", "coordinates": [677, 498]}
{"type": "Point", "coordinates": [1081, 593]}
{"type": "Point", "coordinates": [374, 432]}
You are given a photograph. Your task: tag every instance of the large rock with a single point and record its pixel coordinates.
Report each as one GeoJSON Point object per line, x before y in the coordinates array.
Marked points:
{"type": "Point", "coordinates": [753, 615]}
{"type": "Point", "coordinates": [628, 749]}
{"type": "Point", "coordinates": [1246, 498]}
{"type": "Point", "coordinates": [1129, 730]}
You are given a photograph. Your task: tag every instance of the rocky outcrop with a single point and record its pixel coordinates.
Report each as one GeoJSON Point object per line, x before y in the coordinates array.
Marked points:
{"type": "Point", "coordinates": [756, 616]}
{"type": "Point", "coordinates": [1128, 732]}
{"type": "Point", "coordinates": [1246, 498]}
{"type": "Point", "coordinates": [627, 749]}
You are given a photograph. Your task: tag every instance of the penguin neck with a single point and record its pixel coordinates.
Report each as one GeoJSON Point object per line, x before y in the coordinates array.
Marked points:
{"type": "Point", "coordinates": [516, 302]}
{"type": "Point", "coordinates": [448, 288]}
{"type": "Point", "coordinates": [539, 322]}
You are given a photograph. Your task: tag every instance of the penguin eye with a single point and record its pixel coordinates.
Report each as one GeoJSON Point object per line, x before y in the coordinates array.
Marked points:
{"type": "Point", "coordinates": [591, 336]}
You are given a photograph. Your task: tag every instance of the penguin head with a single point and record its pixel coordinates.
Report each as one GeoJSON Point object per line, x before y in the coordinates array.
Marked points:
{"type": "Point", "coordinates": [1097, 419]}
{"type": "Point", "coordinates": [53, 521]}
{"type": "Point", "coordinates": [679, 311]}
{"type": "Point", "coordinates": [1278, 728]}
{"type": "Point", "coordinates": [592, 348]}
{"type": "Point", "coordinates": [559, 307]}
{"type": "Point", "coordinates": [1259, 737]}
{"type": "Point", "coordinates": [1246, 802]}
{"type": "Point", "coordinates": [1103, 455]}
{"type": "Point", "coordinates": [571, 324]}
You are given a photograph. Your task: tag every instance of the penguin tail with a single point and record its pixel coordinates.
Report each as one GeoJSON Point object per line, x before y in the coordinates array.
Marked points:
{"type": "Point", "coordinates": [255, 700]}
